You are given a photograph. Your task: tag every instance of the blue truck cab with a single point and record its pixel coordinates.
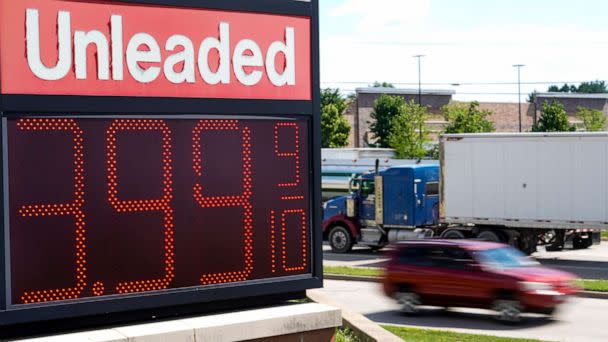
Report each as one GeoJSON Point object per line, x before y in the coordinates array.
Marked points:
{"type": "Point", "coordinates": [394, 204]}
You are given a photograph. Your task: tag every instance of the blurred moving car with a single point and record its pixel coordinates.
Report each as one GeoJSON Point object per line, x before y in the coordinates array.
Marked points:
{"type": "Point", "coordinates": [478, 274]}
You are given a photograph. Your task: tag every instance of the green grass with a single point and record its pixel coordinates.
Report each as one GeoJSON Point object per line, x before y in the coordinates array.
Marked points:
{"type": "Point", "coordinates": [605, 234]}
{"type": "Point", "coordinates": [346, 335]}
{"type": "Point", "coordinates": [594, 285]}
{"type": "Point", "coordinates": [586, 284]}
{"type": "Point", "coordinates": [426, 335]}
{"type": "Point", "coordinates": [353, 271]}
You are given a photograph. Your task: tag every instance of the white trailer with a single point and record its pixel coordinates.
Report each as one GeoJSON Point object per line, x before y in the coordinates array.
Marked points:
{"type": "Point", "coordinates": [520, 188]}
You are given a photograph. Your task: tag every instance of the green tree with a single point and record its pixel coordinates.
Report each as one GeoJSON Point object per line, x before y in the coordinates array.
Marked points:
{"type": "Point", "coordinates": [568, 88]}
{"type": "Point", "coordinates": [467, 118]}
{"type": "Point", "coordinates": [553, 119]}
{"type": "Point", "coordinates": [333, 96]}
{"type": "Point", "coordinates": [592, 87]}
{"type": "Point", "coordinates": [405, 136]}
{"type": "Point", "coordinates": [593, 119]}
{"type": "Point", "coordinates": [383, 85]}
{"type": "Point", "coordinates": [532, 97]}
{"type": "Point", "coordinates": [334, 127]}
{"type": "Point", "coordinates": [386, 107]}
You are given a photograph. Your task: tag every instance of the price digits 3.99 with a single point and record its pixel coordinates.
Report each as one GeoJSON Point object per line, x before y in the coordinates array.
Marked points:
{"type": "Point", "coordinates": [287, 149]}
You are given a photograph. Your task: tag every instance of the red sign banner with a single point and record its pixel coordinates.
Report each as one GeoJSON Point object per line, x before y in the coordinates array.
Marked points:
{"type": "Point", "coordinates": [55, 47]}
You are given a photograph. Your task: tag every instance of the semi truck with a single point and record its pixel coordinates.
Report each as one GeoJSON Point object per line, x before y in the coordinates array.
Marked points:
{"type": "Point", "coordinates": [336, 172]}
{"type": "Point", "coordinates": [526, 190]}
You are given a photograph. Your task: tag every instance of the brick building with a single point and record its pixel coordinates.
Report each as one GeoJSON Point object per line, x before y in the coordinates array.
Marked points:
{"type": "Point", "coordinates": [572, 101]}
{"type": "Point", "coordinates": [505, 116]}
{"type": "Point", "coordinates": [359, 114]}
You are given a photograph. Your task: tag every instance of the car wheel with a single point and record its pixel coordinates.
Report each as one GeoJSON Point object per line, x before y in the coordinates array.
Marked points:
{"type": "Point", "coordinates": [548, 311]}
{"type": "Point", "coordinates": [340, 240]}
{"type": "Point", "coordinates": [452, 234]}
{"type": "Point", "coordinates": [409, 302]}
{"type": "Point", "coordinates": [488, 235]}
{"type": "Point", "coordinates": [507, 311]}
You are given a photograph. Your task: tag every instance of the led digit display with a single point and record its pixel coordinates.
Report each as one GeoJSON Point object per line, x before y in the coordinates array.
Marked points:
{"type": "Point", "coordinates": [114, 206]}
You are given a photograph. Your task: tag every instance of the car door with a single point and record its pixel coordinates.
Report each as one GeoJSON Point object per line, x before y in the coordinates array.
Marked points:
{"type": "Point", "coordinates": [459, 281]}
{"type": "Point", "coordinates": [415, 270]}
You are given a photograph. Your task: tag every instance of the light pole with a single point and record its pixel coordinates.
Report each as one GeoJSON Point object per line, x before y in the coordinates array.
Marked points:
{"type": "Point", "coordinates": [419, 89]}
{"type": "Point", "coordinates": [518, 66]}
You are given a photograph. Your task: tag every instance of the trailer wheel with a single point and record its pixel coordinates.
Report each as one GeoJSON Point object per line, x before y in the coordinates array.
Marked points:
{"type": "Point", "coordinates": [527, 242]}
{"type": "Point", "coordinates": [554, 240]}
{"type": "Point", "coordinates": [340, 240]}
{"type": "Point", "coordinates": [488, 235]}
{"type": "Point", "coordinates": [452, 234]}
{"type": "Point", "coordinates": [582, 243]}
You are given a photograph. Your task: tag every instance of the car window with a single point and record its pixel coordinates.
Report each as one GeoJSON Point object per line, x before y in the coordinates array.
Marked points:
{"type": "Point", "coordinates": [415, 256]}
{"type": "Point", "coordinates": [504, 257]}
{"type": "Point", "coordinates": [451, 258]}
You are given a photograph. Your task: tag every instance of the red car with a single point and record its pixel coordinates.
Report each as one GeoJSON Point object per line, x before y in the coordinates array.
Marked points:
{"type": "Point", "coordinates": [466, 273]}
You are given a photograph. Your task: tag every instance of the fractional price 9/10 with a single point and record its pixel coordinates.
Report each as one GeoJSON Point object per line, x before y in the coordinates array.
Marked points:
{"type": "Point", "coordinates": [117, 206]}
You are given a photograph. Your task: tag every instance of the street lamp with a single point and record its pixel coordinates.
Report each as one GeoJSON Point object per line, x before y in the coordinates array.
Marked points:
{"type": "Point", "coordinates": [419, 89]}
{"type": "Point", "coordinates": [518, 66]}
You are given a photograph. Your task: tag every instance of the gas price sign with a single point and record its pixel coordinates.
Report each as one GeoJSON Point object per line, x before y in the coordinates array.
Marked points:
{"type": "Point", "coordinates": [151, 165]}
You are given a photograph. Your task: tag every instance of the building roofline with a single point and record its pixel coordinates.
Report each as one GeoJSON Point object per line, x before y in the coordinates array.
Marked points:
{"type": "Point", "coordinates": [573, 95]}
{"type": "Point", "coordinates": [458, 136]}
{"type": "Point", "coordinates": [403, 91]}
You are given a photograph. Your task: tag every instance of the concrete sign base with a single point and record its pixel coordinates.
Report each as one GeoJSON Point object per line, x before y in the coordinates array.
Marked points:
{"type": "Point", "coordinates": [297, 322]}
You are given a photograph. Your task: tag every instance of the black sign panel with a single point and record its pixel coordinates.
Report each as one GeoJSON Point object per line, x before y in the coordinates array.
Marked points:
{"type": "Point", "coordinates": [113, 205]}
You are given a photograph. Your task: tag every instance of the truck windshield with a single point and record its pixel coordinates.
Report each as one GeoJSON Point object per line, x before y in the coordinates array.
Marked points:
{"type": "Point", "coordinates": [367, 187]}
{"type": "Point", "coordinates": [504, 257]}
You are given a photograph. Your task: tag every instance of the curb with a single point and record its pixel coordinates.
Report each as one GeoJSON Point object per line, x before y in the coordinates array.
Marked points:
{"type": "Point", "coordinates": [582, 294]}
{"type": "Point", "coordinates": [363, 327]}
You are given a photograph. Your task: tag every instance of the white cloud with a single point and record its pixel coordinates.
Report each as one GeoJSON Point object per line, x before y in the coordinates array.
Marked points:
{"type": "Point", "coordinates": [480, 54]}
{"type": "Point", "coordinates": [383, 16]}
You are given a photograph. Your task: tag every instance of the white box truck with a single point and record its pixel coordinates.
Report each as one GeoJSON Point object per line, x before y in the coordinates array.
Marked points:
{"type": "Point", "coordinates": [525, 189]}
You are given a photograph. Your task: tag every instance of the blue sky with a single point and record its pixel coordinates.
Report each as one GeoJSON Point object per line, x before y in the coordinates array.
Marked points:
{"type": "Point", "coordinates": [466, 42]}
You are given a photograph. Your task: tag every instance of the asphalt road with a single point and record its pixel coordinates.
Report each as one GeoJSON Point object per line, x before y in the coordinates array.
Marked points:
{"type": "Point", "coordinates": [579, 319]}
{"type": "Point", "coordinates": [591, 263]}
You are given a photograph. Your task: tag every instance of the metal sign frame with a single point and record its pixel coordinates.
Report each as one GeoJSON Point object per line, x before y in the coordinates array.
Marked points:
{"type": "Point", "coordinates": [213, 296]}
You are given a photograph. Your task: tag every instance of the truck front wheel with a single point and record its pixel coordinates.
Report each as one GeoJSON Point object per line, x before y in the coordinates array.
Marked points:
{"type": "Point", "coordinates": [340, 240]}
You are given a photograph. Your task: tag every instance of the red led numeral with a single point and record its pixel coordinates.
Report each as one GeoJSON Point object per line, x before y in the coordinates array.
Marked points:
{"type": "Point", "coordinates": [302, 216]}
{"type": "Point", "coordinates": [291, 198]}
{"type": "Point", "coordinates": [295, 154]}
{"type": "Point", "coordinates": [302, 228]}
{"type": "Point", "coordinates": [242, 200]}
{"type": "Point", "coordinates": [144, 205]}
{"type": "Point", "coordinates": [273, 245]}
{"type": "Point", "coordinates": [73, 208]}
